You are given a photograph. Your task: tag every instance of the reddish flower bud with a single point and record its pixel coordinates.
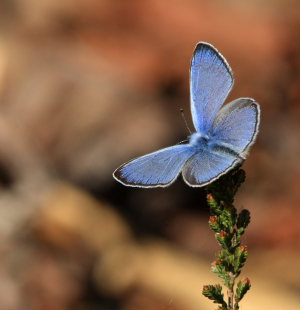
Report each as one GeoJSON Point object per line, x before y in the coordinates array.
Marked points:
{"type": "Point", "coordinates": [223, 234]}
{"type": "Point", "coordinates": [243, 248]}
{"type": "Point", "coordinates": [213, 219]}
{"type": "Point", "coordinates": [216, 262]}
{"type": "Point", "coordinates": [246, 281]}
{"type": "Point", "coordinates": [210, 197]}
{"type": "Point", "coordinates": [206, 288]}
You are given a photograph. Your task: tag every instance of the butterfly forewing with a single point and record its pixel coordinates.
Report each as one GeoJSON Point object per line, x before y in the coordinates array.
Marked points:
{"type": "Point", "coordinates": [210, 82]}
{"type": "Point", "coordinates": [160, 168]}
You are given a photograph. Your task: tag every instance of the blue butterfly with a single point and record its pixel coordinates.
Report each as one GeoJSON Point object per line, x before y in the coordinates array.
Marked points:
{"type": "Point", "coordinates": [223, 134]}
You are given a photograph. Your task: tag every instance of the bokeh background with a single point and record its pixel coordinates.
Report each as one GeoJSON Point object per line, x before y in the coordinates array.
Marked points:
{"type": "Point", "coordinates": [87, 85]}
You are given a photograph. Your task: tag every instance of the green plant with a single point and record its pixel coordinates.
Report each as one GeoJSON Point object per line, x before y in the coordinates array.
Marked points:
{"type": "Point", "coordinates": [229, 226]}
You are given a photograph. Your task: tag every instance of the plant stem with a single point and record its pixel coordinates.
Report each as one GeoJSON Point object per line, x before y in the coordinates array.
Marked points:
{"type": "Point", "coordinates": [230, 292]}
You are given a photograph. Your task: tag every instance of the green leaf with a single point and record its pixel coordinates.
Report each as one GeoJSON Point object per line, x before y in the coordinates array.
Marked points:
{"type": "Point", "coordinates": [243, 219]}
{"type": "Point", "coordinates": [228, 218]}
{"type": "Point", "coordinates": [214, 223]}
{"type": "Point", "coordinates": [242, 289]}
{"type": "Point", "coordinates": [241, 255]}
{"type": "Point", "coordinates": [225, 188]}
{"type": "Point", "coordinates": [214, 292]}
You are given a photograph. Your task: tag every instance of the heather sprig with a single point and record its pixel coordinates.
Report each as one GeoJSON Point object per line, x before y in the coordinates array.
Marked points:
{"type": "Point", "coordinates": [229, 226]}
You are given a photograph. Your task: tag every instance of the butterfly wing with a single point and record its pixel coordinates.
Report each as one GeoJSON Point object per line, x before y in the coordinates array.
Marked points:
{"type": "Point", "coordinates": [235, 128]}
{"type": "Point", "coordinates": [210, 82]}
{"type": "Point", "coordinates": [206, 166]}
{"type": "Point", "coordinates": [158, 169]}
{"type": "Point", "coordinates": [236, 125]}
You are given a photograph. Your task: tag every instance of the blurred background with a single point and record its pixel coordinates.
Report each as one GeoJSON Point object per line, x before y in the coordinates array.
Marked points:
{"type": "Point", "coordinates": [87, 85]}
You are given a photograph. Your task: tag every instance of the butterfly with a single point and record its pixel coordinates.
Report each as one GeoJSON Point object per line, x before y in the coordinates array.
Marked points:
{"type": "Point", "coordinates": [223, 137]}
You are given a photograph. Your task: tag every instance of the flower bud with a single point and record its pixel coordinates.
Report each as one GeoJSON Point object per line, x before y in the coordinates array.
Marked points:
{"type": "Point", "coordinates": [242, 250]}
{"type": "Point", "coordinates": [213, 219]}
{"type": "Point", "coordinates": [210, 197]}
{"type": "Point", "coordinates": [246, 281]}
{"type": "Point", "coordinates": [216, 262]}
{"type": "Point", "coordinates": [206, 287]}
{"type": "Point", "coordinates": [214, 223]}
{"type": "Point", "coordinates": [223, 234]}
{"type": "Point", "coordinates": [211, 200]}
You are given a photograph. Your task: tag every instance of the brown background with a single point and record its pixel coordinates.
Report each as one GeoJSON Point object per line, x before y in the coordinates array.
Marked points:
{"type": "Point", "coordinates": [86, 85]}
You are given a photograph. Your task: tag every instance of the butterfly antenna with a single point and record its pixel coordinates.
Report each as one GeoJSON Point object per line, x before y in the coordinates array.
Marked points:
{"type": "Point", "coordinates": [184, 119]}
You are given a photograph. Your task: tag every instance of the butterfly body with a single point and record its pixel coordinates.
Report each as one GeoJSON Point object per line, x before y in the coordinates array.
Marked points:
{"type": "Point", "coordinates": [199, 140]}
{"type": "Point", "coordinates": [223, 135]}
{"type": "Point", "coordinates": [202, 142]}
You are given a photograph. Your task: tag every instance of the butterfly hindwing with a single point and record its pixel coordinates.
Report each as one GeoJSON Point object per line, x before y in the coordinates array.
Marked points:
{"type": "Point", "coordinates": [210, 82]}
{"type": "Point", "coordinates": [206, 166]}
{"type": "Point", "coordinates": [236, 124]}
{"type": "Point", "coordinates": [158, 169]}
